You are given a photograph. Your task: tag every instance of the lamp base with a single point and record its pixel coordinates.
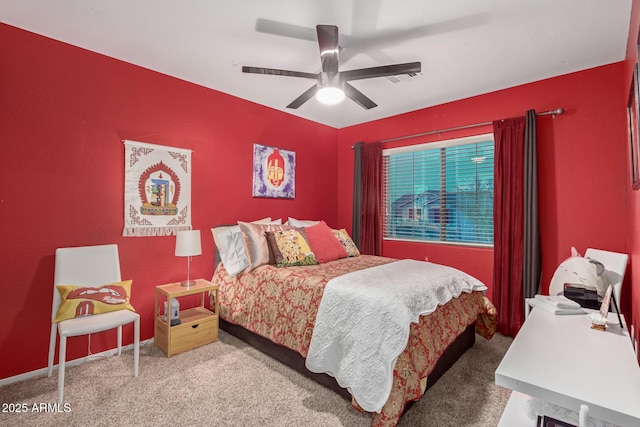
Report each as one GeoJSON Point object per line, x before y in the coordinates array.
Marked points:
{"type": "Point", "coordinates": [188, 283]}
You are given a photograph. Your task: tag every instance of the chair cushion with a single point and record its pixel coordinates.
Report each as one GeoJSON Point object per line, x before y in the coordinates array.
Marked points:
{"type": "Point", "coordinates": [80, 301]}
{"type": "Point", "coordinates": [96, 323]}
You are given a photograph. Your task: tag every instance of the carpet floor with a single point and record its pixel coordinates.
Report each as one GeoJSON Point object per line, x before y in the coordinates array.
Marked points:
{"type": "Point", "coordinates": [229, 383]}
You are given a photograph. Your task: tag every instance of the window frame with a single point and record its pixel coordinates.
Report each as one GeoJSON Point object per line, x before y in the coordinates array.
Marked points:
{"type": "Point", "coordinates": [474, 139]}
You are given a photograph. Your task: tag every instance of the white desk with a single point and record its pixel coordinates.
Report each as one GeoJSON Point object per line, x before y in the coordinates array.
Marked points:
{"type": "Point", "coordinates": [560, 359]}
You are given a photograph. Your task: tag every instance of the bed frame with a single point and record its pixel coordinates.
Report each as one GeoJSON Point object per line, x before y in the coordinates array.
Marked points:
{"type": "Point", "coordinates": [297, 362]}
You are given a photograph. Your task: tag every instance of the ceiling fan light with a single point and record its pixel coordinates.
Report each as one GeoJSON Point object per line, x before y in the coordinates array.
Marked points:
{"type": "Point", "coordinates": [329, 52]}
{"type": "Point", "coordinates": [330, 95]}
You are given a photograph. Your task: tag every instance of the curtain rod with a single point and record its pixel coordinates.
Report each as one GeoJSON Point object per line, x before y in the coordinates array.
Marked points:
{"type": "Point", "coordinates": [554, 113]}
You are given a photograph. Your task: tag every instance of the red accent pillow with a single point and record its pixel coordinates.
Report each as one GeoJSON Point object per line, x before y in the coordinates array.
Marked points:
{"type": "Point", "coordinates": [324, 243]}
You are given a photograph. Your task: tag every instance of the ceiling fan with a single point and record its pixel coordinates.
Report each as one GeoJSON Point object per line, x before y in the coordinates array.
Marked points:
{"type": "Point", "coordinates": [333, 85]}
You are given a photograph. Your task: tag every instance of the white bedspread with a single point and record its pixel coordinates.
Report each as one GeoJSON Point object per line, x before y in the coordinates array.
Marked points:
{"type": "Point", "coordinates": [364, 318]}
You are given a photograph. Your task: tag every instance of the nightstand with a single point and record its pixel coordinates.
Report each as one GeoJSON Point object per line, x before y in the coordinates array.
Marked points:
{"type": "Point", "coordinates": [198, 325]}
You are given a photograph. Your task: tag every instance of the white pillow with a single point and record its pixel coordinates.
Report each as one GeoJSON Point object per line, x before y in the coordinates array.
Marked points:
{"type": "Point", "coordinates": [301, 222]}
{"type": "Point", "coordinates": [230, 246]}
{"type": "Point", "coordinates": [266, 220]}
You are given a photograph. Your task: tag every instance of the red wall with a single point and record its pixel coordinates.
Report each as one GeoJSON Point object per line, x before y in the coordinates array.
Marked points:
{"type": "Point", "coordinates": [582, 154]}
{"type": "Point", "coordinates": [64, 112]}
{"type": "Point", "coordinates": [634, 196]}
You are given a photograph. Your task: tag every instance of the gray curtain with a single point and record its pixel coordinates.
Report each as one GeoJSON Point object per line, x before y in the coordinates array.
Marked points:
{"type": "Point", "coordinates": [532, 259]}
{"type": "Point", "coordinates": [356, 220]}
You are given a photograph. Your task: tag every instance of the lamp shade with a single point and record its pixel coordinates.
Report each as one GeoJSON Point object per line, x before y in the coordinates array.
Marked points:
{"type": "Point", "coordinates": [188, 243]}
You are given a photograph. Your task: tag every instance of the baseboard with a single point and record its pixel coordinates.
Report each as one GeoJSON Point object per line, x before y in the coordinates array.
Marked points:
{"type": "Point", "coordinates": [74, 362]}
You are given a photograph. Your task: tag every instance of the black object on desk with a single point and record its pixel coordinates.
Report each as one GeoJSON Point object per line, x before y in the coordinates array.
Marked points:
{"type": "Point", "coordinates": [587, 298]}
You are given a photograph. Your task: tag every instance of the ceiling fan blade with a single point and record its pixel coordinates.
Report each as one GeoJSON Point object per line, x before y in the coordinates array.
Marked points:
{"type": "Point", "coordinates": [328, 43]}
{"type": "Point", "coordinates": [382, 71]}
{"type": "Point", "coordinates": [277, 72]}
{"type": "Point", "coordinates": [306, 95]}
{"type": "Point", "coordinates": [285, 30]}
{"type": "Point", "coordinates": [358, 97]}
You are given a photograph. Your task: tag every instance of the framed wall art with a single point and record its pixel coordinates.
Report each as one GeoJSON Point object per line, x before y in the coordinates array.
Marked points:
{"type": "Point", "coordinates": [274, 172]}
{"type": "Point", "coordinates": [633, 112]}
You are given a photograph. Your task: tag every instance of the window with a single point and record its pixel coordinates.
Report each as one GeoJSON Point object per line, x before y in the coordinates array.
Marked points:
{"type": "Point", "coordinates": [441, 191]}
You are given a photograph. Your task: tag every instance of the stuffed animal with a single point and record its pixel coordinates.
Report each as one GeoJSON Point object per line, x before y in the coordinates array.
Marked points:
{"type": "Point", "coordinates": [581, 271]}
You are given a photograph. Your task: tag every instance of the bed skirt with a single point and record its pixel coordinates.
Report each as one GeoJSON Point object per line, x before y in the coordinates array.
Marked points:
{"type": "Point", "coordinates": [294, 360]}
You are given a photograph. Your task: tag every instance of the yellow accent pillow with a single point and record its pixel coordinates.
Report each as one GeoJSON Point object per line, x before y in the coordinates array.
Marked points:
{"type": "Point", "coordinates": [78, 301]}
{"type": "Point", "coordinates": [291, 248]}
{"type": "Point", "coordinates": [347, 243]}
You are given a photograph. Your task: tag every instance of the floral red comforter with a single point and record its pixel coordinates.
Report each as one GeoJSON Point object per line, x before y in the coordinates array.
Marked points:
{"type": "Point", "coordinates": [281, 304]}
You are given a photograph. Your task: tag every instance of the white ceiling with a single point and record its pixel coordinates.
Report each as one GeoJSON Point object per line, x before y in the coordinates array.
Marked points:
{"type": "Point", "coordinates": [467, 47]}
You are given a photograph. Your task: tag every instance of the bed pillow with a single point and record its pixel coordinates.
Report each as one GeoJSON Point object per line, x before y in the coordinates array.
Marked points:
{"type": "Point", "coordinates": [301, 222]}
{"type": "Point", "coordinates": [324, 243]}
{"type": "Point", "coordinates": [255, 242]}
{"type": "Point", "coordinates": [78, 301]}
{"type": "Point", "coordinates": [290, 247]}
{"type": "Point", "coordinates": [216, 231]}
{"type": "Point", "coordinates": [230, 246]}
{"type": "Point", "coordinates": [343, 236]}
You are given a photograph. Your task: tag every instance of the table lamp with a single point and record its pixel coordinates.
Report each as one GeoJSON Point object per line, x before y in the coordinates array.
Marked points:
{"type": "Point", "coordinates": [188, 244]}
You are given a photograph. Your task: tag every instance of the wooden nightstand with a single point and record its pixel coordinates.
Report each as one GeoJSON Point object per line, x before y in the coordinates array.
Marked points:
{"type": "Point", "coordinates": [198, 325]}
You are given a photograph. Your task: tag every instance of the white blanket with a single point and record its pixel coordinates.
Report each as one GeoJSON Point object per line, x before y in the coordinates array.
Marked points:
{"type": "Point", "coordinates": [364, 317]}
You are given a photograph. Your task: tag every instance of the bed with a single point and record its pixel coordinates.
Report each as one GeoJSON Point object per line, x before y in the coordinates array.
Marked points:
{"type": "Point", "coordinates": [275, 310]}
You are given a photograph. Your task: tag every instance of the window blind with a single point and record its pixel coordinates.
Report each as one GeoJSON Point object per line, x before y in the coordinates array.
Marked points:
{"type": "Point", "coordinates": [441, 191]}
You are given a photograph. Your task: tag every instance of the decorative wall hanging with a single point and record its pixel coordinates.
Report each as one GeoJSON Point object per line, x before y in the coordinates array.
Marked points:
{"type": "Point", "coordinates": [274, 172]}
{"type": "Point", "coordinates": [157, 189]}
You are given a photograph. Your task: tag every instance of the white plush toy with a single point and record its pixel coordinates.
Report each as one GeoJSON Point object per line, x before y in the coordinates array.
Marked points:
{"type": "Point", "coordinates": [583, 271]}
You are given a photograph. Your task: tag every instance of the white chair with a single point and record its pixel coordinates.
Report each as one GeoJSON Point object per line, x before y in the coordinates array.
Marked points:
{"type": "Point", "coordinates": [92, 266]}
{"type": "Point", "coordinates": [615, 265]}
